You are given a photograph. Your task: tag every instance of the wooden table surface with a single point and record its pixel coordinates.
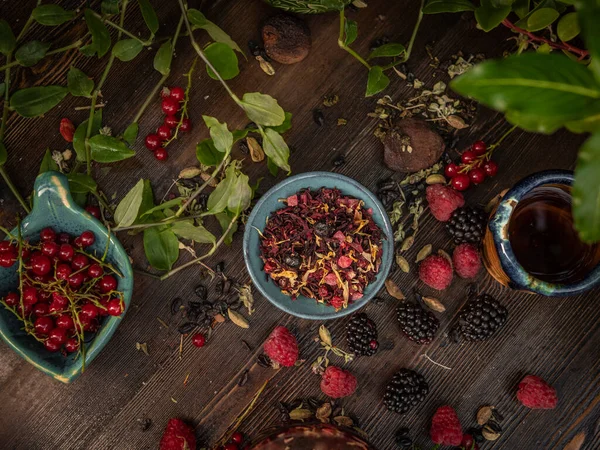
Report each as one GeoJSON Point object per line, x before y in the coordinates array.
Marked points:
{"type": "Point", "coordinates": [558, 339]}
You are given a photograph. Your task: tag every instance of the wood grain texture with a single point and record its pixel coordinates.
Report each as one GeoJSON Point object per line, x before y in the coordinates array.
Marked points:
{"type": "Point", "coordinates": [558, 339]}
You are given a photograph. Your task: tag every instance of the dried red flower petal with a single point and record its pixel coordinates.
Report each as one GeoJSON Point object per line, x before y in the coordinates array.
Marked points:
{"type": "Point", "coordinates": [67, 129]}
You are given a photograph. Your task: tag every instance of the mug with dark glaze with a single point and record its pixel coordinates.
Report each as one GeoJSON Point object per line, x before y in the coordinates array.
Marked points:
{"type": "Point", "coordinates": [499, 251]}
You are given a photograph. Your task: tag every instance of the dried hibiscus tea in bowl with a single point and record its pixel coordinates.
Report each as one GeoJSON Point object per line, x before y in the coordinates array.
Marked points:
{"type": "Point", "coordinates": [322, 245]}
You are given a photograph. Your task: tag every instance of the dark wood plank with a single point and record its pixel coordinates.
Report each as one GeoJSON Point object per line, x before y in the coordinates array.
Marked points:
{"type": "Point", "coordinates": [557, 339]}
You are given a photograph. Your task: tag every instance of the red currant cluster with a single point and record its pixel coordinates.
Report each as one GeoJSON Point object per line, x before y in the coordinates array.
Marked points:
{"type": "Point", "coordinates": [237, 439]}
{"type": "Point", "coordinates": [64, 290]}
{"type": "Point", "coordinates": [171, 104]}
{"type": "Point", "coordinates": [475, 166]}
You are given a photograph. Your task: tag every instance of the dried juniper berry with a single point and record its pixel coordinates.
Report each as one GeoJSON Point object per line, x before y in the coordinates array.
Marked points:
{"type": "Point", "coordinates": [319, 117]}
{"type": "Point", "coordinates": [186, 327]}
{"type": "Point", "coordinates": [201, 291]}
{"type": "Point", "coordinates": [176, 305]}
{"type": "Point", "coordinates": [339, 161]}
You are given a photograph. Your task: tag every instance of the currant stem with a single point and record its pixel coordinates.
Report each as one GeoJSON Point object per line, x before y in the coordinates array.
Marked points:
{"type": "Point", "coordinates": [167, 221]}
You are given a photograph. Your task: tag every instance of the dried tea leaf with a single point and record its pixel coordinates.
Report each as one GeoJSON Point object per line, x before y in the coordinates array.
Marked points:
{"type": "Point", "coordinates": [256, 152]}
{"type": "Point", "coordinates": [484, 414]}
{"type": "Point", "coordinates": [445, 254]}
{"type": "Point", "coordinates": [237, 318]}
{"type": "Point", "coordinates": [219, 318]}
{"type": "Point", "coordinates": [434, 304]}
{"type": "Point", "coordinates": [576, 443]}
{"type": "Point", "coordinates": [341, 122]}
{"type": "Point", "coordinates": [407, 243]}
{"type": "Point", "coordinates": [324, 412]}
{"type": "Point", "coordinates": [436, 178]}
{"type": "Point", "coordinates": [402, 263]}
{"type": "Point", "coordinates": [325, 335]}
{"type": "Point", "coordinates": [489, 433]}
{"type": "Point", "coordinates": [143, 347]}
{"type": "Point", "coordinates": [190, 172]}
{"type": "Point", "coordinates": [265, 65]}
{"type": "Point", "coordinates": [424, 253]}
{"type": "Point", "coordinates": [330, 100]}
{"type": "Point", "coordinates": [301, 414]}
{"type": "Point", "coordinates": [246, 297]}
{"type": "Point", "coordinates": [393, 289]}
{"type": "Point", "coordinates": [456, 122]}
{"type": "Point", "coordinates": [343, 421]}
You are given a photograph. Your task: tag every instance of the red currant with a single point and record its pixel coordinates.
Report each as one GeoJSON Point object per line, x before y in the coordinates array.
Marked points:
{"type": "Point", "coordinates": [89, 310]}
{"type": "Point", "coordinates": [40, 309]}
{"type": "Point", "coordinates": [48, 234]}
{"type": "Point", "coordinates": [477, 175]}
{"type": "Point", "coordinates": [198, 340]}
{"type": "Point", "coordinates": [80, 261]}
{"type": "Point", "coordinates": [169, 106]}
{"type": "Point", "coordinates": [87, 238]}
{"type": "Point", "coordinates": [177, 93]}
{"type": "Point", "coordinates": [164, 132]}
{"type": "Point", "coordinates": [7, 259]}
{"type": "Point", "coordinates": [152, 142]}
{"type": "Point", "coordinates": [65, 322]}
{"type": "Point", "coordinates": [54, 308]}
{"type": "Point", "coordinates": [76, 280]}
{"type": "Point", "coordinates": [24, 311]}
{"type": "Point", "coordinates": [161, 154]}
{"type": "Point", "coordinates": [95, 270]}
{"type": "Point", "coordinates": [63, 271]}
{"type": "Point", "coordinates": [165, 92]}
{"type": "Point", "coordinates": [12, 298]}
{"type": "Point", "coordinates": [50, 248]}
{"type": "Point", "coordinates": [77, 242]}
{"type": "Point", "coordinates": [58, 335]}
{"type": "Point", "coordinates": [171, 121]}
{"type": "Point", "coordinates": [91, 326]}
{"type": "Point", "coordinates": [451, 170]}
{"type": "Point", "coordinates": [102, 310]}
{"type": "Point", "coordinates": [490, 168]}
{"type": "Point", "coordinates": [237, 438]}
{"type": "Point", "coordinates": [114, 307]}
{"type": "Point", "coordinates": [186, 125]}
{"type": "Point", "coordinates": [41, 264]}
{"type": "Point", "coordinates": [468, 443]}
{"type": "Point", "coordinates": [479, 148]}
{"type": "Point", "coordinates": [51, 345]}
{"type": "Point", "coordinates": [460, 182]}
{"type": "Point", "coordinates": [25, 252]}
{"type": "Point", "coordinates": [64, 238]}
{"type": "Point", "coordinates": [468, 157]}
{"type": "Point", "coordinates": [66, 252]}
{"type": "Point", "coordinates": [108, 283]}
{"type": "Point", "coordinates": [72, 345]}
{"type": "Point", "coordinates": [231, 447]}
{"type": "Point", "coordinates": [43, 325]}
{"type": "Point", "coordinates": [30, 296]}
{"type": "Point", "coordinates": [94, 211]}
{"type": "Point", "coordinates": [6, 246]}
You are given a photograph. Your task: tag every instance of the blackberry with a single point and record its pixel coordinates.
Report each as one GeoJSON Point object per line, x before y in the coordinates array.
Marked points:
{"type": "Point", "coordinates": [417, 324]}
{"type": "Point", "coordinates": [480, 318]}
{"type": "Point", "coordinates": [407, 389]}
{"type": "Point", "coordinates": [403, 441]}
{"type": "Point", "coordinates": [467, 224]}
{"type": "Point", "coordinates": [361, 335]}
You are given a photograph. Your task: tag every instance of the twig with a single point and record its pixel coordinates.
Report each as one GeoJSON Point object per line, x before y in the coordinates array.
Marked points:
{"type": "Point", "coordinates": [426, 356]}
{"type": "Point", "coordinates": [85, 108]}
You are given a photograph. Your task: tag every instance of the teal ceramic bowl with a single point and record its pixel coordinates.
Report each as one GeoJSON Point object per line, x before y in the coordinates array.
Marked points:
{"type": "Point", "coordinates": [54, 207]}
{"type": "Point", "coordinates": [304, 307]}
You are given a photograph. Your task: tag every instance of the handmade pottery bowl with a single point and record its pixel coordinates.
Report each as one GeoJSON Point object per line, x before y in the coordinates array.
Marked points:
{"type": "Point", "coordinates": [316, 436]}
{"type": "Point", "coordinates": [498, 253]}
{"type": "Point", "coordinates": [54, 207]}
{"type": "Point", "coordinates": [304, 307]}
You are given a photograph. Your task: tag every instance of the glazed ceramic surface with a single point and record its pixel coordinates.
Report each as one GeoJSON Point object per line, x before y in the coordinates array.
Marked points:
{"type": "Point", "coordinates": [305, 307]}
{"type": "Point", "coordinates": [54, 207]}
{"type": "Point", "coordinates": [499, 223]}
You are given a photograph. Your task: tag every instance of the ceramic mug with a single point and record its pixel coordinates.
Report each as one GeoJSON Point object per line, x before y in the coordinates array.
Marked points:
{"type": "Point", "coordinates": [498, 255]}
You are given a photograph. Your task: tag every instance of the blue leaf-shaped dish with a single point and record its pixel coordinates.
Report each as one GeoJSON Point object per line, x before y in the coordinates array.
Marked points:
{"type": "Point", "coordinates": [54, 207]}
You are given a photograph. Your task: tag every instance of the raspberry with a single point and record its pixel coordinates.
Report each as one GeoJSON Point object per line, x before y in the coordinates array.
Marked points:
{"type": "Point", "coordinates": [436, 271]}
{"type": "Point", "coordinates": [281, 347]}
{"type": "Point", "coordinates": [178, 436]}
{"type": "Point", "coordinates": [466, 260]}
{"type": "Point", "coordinates": [535, 393]}
{"type": "Point", "coordinates": [443, 201]}
{"type": "Point", "coordinates": [338, 383]}
{"type": "Point", "coordinates": [445, 427]}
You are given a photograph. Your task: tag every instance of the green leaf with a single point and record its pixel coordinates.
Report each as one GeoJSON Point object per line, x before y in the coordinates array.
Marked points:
{"type": "Point", "coordinates": [106, 149]}
{"type": "Point", "coordinates": [241, 194]}
{"type": "Point", "coordinates": [502, 3]}
{"type": "Point", "coordinates": [276, 148]}
{"type": "Point", "coordinates": [207, 154]}
{"type": "Point", "coordinates": [273, 169]}
{"type": "Point", "coordinates": [522, 23]}
{"type": "Point", "coordinates": [109, 7]}
{"type": "Point", "coordinates": [51, 15]}
{"type": "Point", "coordinates": [176, 202]}
{"type": "Point", "coordinates": [31, 53]}
{"type": "Point", "coordinates": [128, 209]}
{"type": "Point", "coordinates": [217, 200]}
{"type": "Point", "coordinates": [35, 101]}
{"type": "Point", "coordinates": [541, 18]}
{"type": "Point", "coordinates": [387, 50]}
{"type": "Point", "coordinates": [7, 38]}
{"type": "Point", "coordinates": [196, 233]}
{"type": "Point", "coordinates": [130, 133]}
{"type": "Point", "coordinates": [590, 124]}
{"type": "Point", "coordinates": [444, 6]}
{"type": "Point", "coordinates": [568, 27]}
{"type": "Point", "coordinates": [286, 125]}
{"type": "Point", "coordinates": [263, 109]}
{"type": "Point", "coordinates": [544, 48]}
{"type": "Point", "coordinates": [81, 183]}
{"type": "Point", "coordinates": [81, 131]}
{"type": "Point", "coordinates": [586, 191]}
{"type": "Point", "coordinates": [224, 60]}
{"type": "Point", "coordinates": [198, 20]}
{"type": "Point", "coordinates": [149, 16]}
{"type": "Point", "coordinates": [351, 31]}
{"type": "Point", "coordinates": [100, 35]}
{"type": "Point", "coordinates": [589, 18]}
{"type": "Point", "coordinates": [377, 81]}
{"type": "Point", "coordinates": [161, 247]}
{"type": "Point", "coordinates": [538, 92]}
{"type": "Point", "coordinates": [2, 89]}
{"type": "Point", "coordinates": [80, 85]}
{"type": "Point", "coordinates": [3, 154]}
{"type": "Point", "coordinates": [521, 8]}
{"type": "Point", "coordinates": [127, 49]}
{"type": "Point", "coordinates": [221, 136]}
{"type": "Point", "coordinates": [48, 164]}
{"type": "Point", "coordinates": [147, 202]}
{"type": "Point", "coordinates": [489, 17]}
{"type": "Point", "coordinates": [80, 199]}
{"type": "Point", "coordinates": [225, 219]}
{"type": "Point", "coordinates": [163, 57]}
